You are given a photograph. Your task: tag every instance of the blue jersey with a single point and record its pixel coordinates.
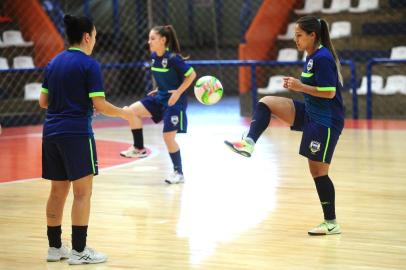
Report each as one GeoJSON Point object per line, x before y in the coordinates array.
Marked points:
{"type": "Point", "coordinates": [72, 78]}
{"type": "Point", "coordinates": [320, 71]}
{"type": "Point", "coordinates": [169, 71]}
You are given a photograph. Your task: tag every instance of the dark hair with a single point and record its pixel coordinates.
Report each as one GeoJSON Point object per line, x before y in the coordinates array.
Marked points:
{"type": "Point", "coordinates": [311, 24]}
{"type": "Point", "coordinates": [76, 27]}
{"type": "Point", "coordinates": [169, 33]}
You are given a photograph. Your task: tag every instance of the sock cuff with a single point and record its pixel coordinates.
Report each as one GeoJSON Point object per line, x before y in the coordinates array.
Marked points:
{"type": "Point", "coordinates": [54, 227]}
{"type": "Point", "coordinates": [79, 230]}
{"type": "Point", "coordinates": [264, 107]}
{"type": "Point", "coordinates": [79, 226]}
{"type": "Point", "coordinates": [321, 178]}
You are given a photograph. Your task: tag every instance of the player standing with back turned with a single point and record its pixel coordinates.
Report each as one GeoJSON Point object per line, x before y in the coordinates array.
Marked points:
{"type": "Point", "coordinates": [72, 86]}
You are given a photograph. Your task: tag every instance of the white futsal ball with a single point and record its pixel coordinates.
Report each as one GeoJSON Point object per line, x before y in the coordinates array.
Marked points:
{"type": "Point", "coordinates": [208, 90]}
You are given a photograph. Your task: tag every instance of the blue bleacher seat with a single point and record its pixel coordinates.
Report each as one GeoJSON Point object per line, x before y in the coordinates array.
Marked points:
{"type": "Point", "coordinates": [397, 3]}
{"type": "Point", "coordinates": [384, 29]}
{"type": "Point", "coordinates": [363, 55]}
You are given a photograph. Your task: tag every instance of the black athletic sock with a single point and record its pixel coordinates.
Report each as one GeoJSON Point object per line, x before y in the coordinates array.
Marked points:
{"type": "Point", "coordinates": [54, 236]}
{"type": "Point", "coordinates": [79, 234]}
{"type": "Point", "coordinates": [138, 138]}
{"type": "Point", "coordinates": [176, 161]}
{"type": "Point", "coordinates": [325, 189]}
{"type": "Point", "coordinates": [260, 121]}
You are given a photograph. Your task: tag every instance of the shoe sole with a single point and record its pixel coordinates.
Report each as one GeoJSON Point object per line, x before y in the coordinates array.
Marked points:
{"type": "Point", "coordinates": [56, 260]}
{"type": "Point", "coordinates": [169, 182]}
{"type": "Point", "coordinates": [81, 262]}
{"type": "Point", "coordinates": [321, 234]}
{"type": "Point", "coordinates": [242, 153]}
{"type": "Point", "coordinates": [133, 157]}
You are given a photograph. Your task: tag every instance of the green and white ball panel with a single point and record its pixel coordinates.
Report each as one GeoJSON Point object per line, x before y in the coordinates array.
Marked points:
{"type": "Point", "coordinates": [208, 90]}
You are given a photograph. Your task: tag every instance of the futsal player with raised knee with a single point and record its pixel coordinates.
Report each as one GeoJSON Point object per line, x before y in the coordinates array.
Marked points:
{"type": "Point", "coordinates": [168, 102]}
{"type": "Point", "coordinates": [320, 117]}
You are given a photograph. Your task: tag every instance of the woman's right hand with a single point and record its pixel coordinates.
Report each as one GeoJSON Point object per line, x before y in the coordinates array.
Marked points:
{"type": "Point", "coordinates": [152, 93]}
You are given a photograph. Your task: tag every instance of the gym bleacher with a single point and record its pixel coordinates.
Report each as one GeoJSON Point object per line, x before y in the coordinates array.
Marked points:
{"type": "Point", "coordinates": [368, 29]}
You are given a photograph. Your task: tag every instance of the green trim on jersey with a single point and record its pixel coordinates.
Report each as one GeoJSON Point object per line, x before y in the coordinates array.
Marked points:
{"type": "Point", "coordinates": [190, 71]}
{"type": "Point", "coordinates": [74, 49]}
{"type": "Point", "coordinates": [97, 94]}
{"type": "Point", "coordinates": [306, 74]}
{"type": "Point", "coordinates": [44, 90]}
{"type": "Point", "coordinates": [159, 69]}
{"type": "Point", "coordinates": [326, 89]}
{"type": "Point", "coordinates": [91, 155]}
{"type": "Point", "coordinates": [327, 142]}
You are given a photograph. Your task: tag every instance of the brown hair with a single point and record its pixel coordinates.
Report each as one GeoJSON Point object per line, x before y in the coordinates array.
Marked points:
{"type": "Point", "coordinates": [311, 24]}
{"type": "Point", "coordinates": [169, 33]}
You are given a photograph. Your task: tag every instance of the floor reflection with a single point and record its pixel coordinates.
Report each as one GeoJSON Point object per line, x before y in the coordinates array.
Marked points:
{"type": "Point", "coordinates": [226, 195]}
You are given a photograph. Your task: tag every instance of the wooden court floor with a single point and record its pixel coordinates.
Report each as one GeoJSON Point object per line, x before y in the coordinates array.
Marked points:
{"type": "Point", "coordinates": [231, 213]}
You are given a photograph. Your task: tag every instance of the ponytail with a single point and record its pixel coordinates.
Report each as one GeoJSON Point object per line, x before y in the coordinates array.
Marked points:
{"type": "Point", "coordinates": [326, 42]}
{"type": "Point", "coordinates": [172, 42]}
{"type": "Point", "coordinates": [311, 24]}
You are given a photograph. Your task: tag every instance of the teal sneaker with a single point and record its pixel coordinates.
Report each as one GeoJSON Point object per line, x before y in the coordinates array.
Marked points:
{"type": "Point", "coordinates": [245, 147]}
{"type": "Point", "coordinates": [325, 228]}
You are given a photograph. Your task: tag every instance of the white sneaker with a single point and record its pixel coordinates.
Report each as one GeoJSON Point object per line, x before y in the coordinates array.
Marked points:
{"type": "Point", "coordinates": [87, 256]}
{"type": "Point", "coordinates": [57, 254]}
{"type": "Point", "coordinates": [325, 228]}
{"type": "Point", "coordinates": [175, 178]}
{"type": "Point", "coordinates": [133, 152]}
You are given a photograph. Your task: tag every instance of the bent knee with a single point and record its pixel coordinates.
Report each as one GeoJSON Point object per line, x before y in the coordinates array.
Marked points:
{"type": "Point", "coordinates": [268, 101]}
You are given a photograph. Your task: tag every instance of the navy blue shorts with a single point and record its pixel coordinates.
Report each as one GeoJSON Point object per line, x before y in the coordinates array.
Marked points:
{"type": "Point", "coordinates": [174, 118]}
{"type": "Point", "coordinates": [68, 158]}
{"type": "Point", "coordinates": [318, 141]}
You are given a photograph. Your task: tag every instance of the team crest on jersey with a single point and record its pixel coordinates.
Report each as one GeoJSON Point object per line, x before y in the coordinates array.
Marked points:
{"type": "Point", "coordinates": [174, 120]}
{"type": "Point", "coordinates": [314, 147]}
{"type": "Point", "coordinates": [164, 62]}
{"type": "Point", "coordinates": [152, 62]}
{"type": "Point", "coordinates": [310, 65]}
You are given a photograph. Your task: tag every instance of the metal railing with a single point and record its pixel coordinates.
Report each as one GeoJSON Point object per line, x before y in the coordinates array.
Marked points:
{"type": "Point", "coordinates": [370, 64]}
{"type": "Point", "coordinates": [253, 64]}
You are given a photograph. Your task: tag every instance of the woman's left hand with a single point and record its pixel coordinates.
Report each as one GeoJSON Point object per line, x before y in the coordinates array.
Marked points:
{"type": "Point", "coordinates": [174, 97]}
{"type": "Point", "coordinates": [292, 84]}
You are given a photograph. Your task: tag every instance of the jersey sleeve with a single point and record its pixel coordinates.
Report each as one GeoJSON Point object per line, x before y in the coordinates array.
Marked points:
{"type": "Point", "coordinates": [325, 74]}
{"type": "Point", "coordinates": [181, 66]}
{"type": "Point", "coordinates": [95, 80]}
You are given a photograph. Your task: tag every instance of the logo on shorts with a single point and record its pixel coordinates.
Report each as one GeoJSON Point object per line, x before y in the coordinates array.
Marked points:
{"type": "Point", "coordinates": [314, 147]}
{"type": "Point", "coordinates": [310, 65]}
{"type": "Point", "coordinates": [174, 120]}
{"type": "Point", "coordinates": [164, 62]}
